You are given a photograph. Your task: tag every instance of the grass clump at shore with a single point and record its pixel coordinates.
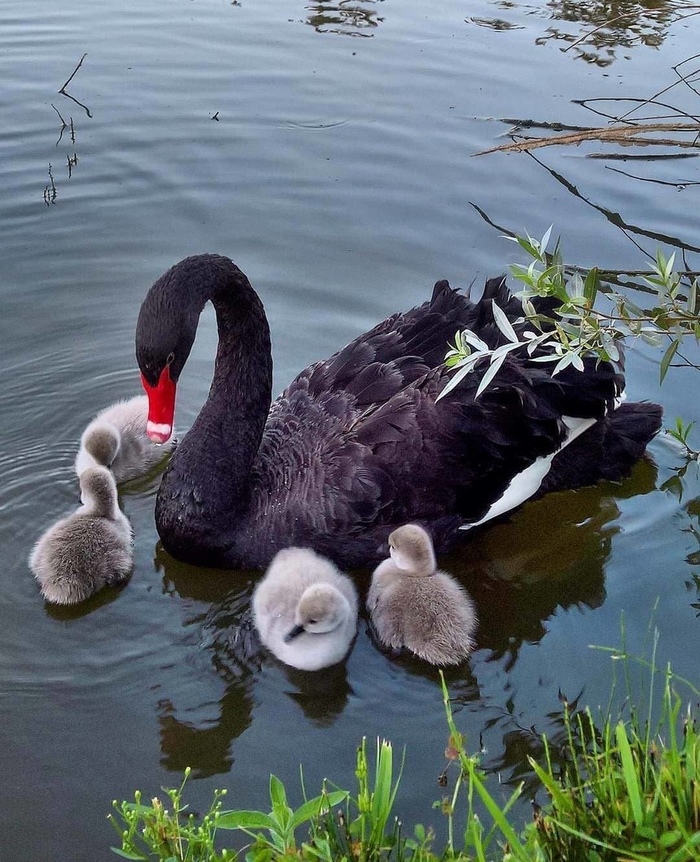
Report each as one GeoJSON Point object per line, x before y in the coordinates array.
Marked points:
{"type": "Point", "coordinates": [627, 788]}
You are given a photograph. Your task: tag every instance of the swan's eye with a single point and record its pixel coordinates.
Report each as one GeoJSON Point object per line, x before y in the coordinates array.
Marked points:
{"type": "Point", "coordinates": [170, 359]}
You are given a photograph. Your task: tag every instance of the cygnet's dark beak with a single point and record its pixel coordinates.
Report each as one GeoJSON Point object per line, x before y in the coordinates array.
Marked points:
{"type": "Point", "coordinates": [383, 549]}
{"type": "Point", "coordinates": [294, 633]}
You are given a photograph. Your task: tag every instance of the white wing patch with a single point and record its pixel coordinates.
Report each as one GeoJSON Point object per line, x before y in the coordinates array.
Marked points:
{"type": "Point", "coordinates": [526, 483]}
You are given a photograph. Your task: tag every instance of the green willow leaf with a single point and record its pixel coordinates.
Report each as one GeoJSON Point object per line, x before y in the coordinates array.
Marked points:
{"type": "Point", "coordinates": [671, 351]}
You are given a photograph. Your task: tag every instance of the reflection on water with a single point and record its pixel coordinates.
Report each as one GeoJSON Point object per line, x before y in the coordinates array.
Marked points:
{"type": "Point", "coordinates": [602, 27]}
{"type": "Point", "coordinates": [614, 24]}
{"type": "Point", "coordinates": [549, 555]}
{"type": "Point", "coordinates": [676, 485]}
{"type": "Point", "coordinates": [496, 24]}
{"type": "Point", "coordinates": [345, 17]}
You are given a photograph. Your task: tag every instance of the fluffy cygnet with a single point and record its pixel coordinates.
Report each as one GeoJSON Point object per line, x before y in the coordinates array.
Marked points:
{"type": "Point", "coordinates": [116, 438]}
{"type": "Point", "coordinates": [414, 606]}
{"type": "Point", "coordinates": [305, 610]}
{"type": "Point", "coordinates": [87, 550]}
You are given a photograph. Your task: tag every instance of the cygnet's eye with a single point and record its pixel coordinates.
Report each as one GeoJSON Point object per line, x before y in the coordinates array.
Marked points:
{"type": "Point", "coordinates": [312, 622]}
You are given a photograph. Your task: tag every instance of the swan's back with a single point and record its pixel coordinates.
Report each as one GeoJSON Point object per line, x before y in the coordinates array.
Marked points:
{"type": "Point", "coordinates": [117, 438]}
{"type": "Point", "coordinates": [357, 444]}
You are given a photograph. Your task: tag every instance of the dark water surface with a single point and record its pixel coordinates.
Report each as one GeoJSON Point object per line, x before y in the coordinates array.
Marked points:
{"type": "Point", "coordinates": [328, 148]}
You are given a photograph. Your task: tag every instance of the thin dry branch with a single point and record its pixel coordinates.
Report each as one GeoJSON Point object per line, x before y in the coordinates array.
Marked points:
{"type": "Point", "coordinates": [73, 73]}
{"type": "Point", "coordinates": [65, 93]}
{"type": "Point", "coordinates": [627, 134]}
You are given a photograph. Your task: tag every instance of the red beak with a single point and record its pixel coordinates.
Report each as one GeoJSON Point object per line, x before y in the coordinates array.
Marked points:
{"type": "Point", "coordinates": [161, 406]}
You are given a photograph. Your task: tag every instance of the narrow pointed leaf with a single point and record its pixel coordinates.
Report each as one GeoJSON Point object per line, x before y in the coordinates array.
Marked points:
{"type": "Point", "coordinates": [491, 372]}
{"type": "Point", "coordinates": [667, 358]}
{"type": "Point", "coordinates": [590, 285]}
{"type": "Point", "coordinates": [313, 807]}
{"type": "Point", "coordinates": [563, 363]}
{"type": "Point", "coordinates": [545, 239]}
{"type": "Point", "coordinates": [629, 773]}
{"type": "Point", "coordinates": [457, 378]}
{"type": "Point", "coordinates": [503, 323]}
{"type": "Point", "coordinates": [473, 339]}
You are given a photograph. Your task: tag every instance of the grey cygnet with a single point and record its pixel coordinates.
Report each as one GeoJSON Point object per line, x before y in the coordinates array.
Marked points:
{"type": "Point", "coordinates": [88, 549]}
{"type": "Point", "coordinates": [416, 607]}
{"type": "Point", "coordinates": [117, 438]}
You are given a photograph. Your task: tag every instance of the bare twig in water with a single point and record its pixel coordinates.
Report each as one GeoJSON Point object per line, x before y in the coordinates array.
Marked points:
{"type": "Point", "coordinates": [675, 111]}
{"type": "Point", "coordinates": [65, 93]}
{"type": "Point", "coordinates": [679, 184]}
{"type": "Point", "coordinates": [64, 125]}
{"type": "Point", "coordinates": [627, 134]}
{"type": "Point", "coordinates": [646, 157]}
{"type": "Point", "coordinates": [63, 122]}
{"type": "Point", "coordinates": [80, 63]}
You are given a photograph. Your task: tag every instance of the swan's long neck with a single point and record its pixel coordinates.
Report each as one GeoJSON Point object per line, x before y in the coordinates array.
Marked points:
{"type": "Point", "coordinates": [205, 489]}
{"type": "Point", "coordinates": [231, 422]}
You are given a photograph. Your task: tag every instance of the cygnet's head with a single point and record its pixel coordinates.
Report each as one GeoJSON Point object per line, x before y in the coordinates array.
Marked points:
{"type": "Point", "coordinates": [411, 549]}
{"type": "Point", "coordinates": [103, 443]}
{"type": "Point", "coordinates": [98, 491]}
{"type": "Point", "coordinates": [321, 608]}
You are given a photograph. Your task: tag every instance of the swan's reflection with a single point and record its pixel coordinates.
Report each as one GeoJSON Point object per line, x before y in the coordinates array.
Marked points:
{"type": "Point", "coordinates": [551, 554]}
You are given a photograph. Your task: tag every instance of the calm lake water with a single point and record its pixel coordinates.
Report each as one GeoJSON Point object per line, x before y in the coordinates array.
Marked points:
{"type": "Point", "coordinates": [329, 149]}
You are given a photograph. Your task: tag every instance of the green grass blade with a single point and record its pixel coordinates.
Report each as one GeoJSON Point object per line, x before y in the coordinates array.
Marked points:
{"type": "Point", "coordinates": [126, 855]}
{"type": "Point", "coordinates": [629, 773]}
{"type": "Point", "coordinates": [517, 850]}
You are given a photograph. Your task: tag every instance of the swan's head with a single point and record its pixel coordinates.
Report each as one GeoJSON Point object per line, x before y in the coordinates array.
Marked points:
{"type": "Point", "coordinates": [411, 549]}
{"type": "Point", "coordinates": [103, 443]}
{"type": "Point", "coordinates": [165, 332]}
{"type": "Point", "coordinates": [167, 325]}
{"type": "Point", "coordinates": [322, 608]}
{"type": "Point", "coordinates": [98, 491]}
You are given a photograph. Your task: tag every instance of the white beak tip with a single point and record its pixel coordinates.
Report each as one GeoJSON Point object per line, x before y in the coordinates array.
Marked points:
{"type": "Point", "coordinates": [158, 432]}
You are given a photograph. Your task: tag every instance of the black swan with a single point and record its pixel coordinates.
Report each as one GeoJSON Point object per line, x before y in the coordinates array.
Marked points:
{"type": "Point", "coordinates": [357, 445]}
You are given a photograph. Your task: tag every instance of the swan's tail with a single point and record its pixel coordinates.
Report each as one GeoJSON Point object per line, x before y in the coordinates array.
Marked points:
{"type": "Point", "coordinates": [607, 451]}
